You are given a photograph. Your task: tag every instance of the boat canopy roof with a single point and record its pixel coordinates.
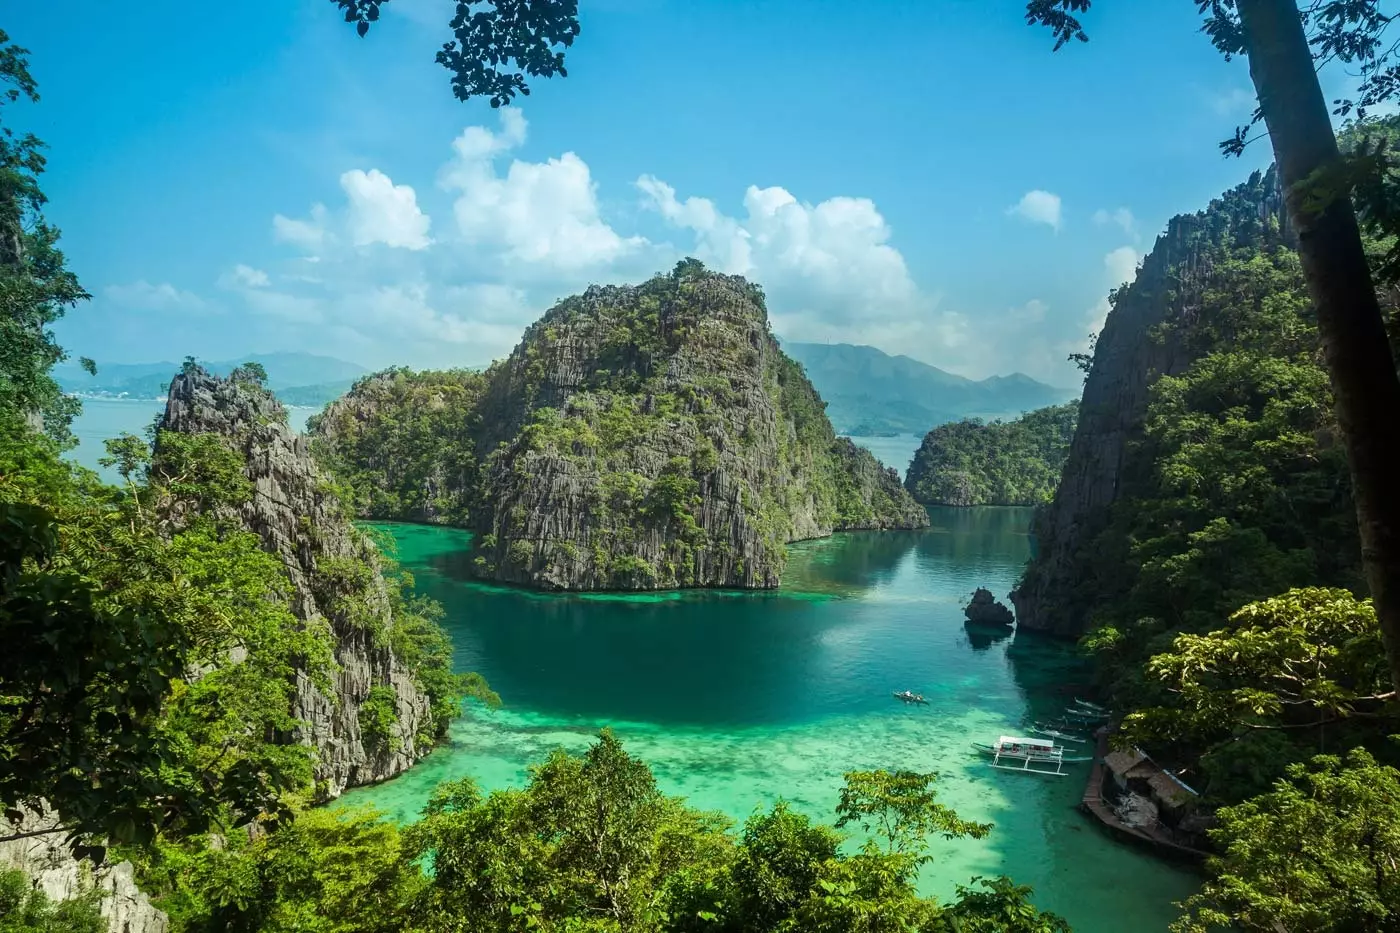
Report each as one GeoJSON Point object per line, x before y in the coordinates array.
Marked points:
{"type": "Point", "coordinates": [1037, 743]}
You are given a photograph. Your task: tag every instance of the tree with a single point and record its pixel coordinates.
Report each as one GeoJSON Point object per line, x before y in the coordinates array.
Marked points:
{"type": "Point", "coordinates": [1289, 672]}
{"type": "Point", "coordinates": [1273, 34]}
{"type": "Point", "coordinates": [524, 32]}
{"type": "Point", "coordinates": [1320, 852]}
{"type": "Point", "coordinates": [902, 807]}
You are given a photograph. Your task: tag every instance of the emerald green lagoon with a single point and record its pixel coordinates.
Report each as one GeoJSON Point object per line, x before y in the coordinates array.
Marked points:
{"type": "Point", "coordinates": [737, 699]}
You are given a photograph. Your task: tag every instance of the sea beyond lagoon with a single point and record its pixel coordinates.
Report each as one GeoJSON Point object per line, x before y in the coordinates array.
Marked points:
{"type": "Point", "coordinates": [737, 699]}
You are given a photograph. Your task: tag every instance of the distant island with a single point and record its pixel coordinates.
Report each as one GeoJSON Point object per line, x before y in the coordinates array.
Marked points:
{"type": "Point", "coordinates": [972, 462]}
{"type": "Point", "coordinates": [872, 394]}
{"type": "Point", "coordinates": [302, 380]}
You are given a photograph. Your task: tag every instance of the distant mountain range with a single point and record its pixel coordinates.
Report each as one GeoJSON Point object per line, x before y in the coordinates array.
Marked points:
{"type": "Point", "coordinates": [869, 392]}
{"type": "Point", "coordinates": [304, 379]}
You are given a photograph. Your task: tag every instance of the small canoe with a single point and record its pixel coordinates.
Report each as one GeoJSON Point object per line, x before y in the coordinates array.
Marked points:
{"type": "Point", "coordinates": [911, 698]}
{"type": "Point", "coordinates": [1090, 707]}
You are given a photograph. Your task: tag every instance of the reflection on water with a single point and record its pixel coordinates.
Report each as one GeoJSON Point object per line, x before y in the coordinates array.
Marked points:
{"type": "Point", "coordinates": [737, 698]}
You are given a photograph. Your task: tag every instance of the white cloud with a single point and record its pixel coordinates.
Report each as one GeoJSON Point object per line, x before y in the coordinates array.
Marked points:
{"type": "Point", "coordinates": [241, 276]}
{"type": "Point", "coordinates": [1041, 207]}
{"type": "Point", "coordinates": [383, 212]}
{"type": "Point", "coordinates": [1122, 217]}
{"type": "Point", "coordinates": [539, 212]}
{"type": "Point", "coordinates": [144, 296]}
{"type": "Point", "coordinates": [310, 235]}
{"type": "Point", "coordinates": [1121, 264]}
{"type": "Point", "coordinates": [827, 268]}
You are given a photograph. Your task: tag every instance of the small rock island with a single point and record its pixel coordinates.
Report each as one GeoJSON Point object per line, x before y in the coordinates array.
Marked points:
{"type": "Point", "coordinates": [985, 610]}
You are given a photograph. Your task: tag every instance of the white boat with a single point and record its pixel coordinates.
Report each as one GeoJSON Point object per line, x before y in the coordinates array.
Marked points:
{"type": "Point", "coordinates": [1032, 755]}
{"type": "Point", "coordinates": [1090, 707]}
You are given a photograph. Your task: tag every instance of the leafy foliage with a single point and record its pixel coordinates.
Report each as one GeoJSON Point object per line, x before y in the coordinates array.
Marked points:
{"type": "Point", "coordinates": [1305, 668]}
{"type": "Point", "coordinates": [589, 844]}
{"type": "Point", "coordinates": [1319, 852]}
{"type": "Point", "coordinates": [401, 444]}
{"type": "Point", "coordinates": [486, 41]}
{"type": "Point", "coordinates": [26, 909]}
{"type": "Point", "coordinates": [1002, 463]}
{"type": "Point", "coordinates": [35, 287]}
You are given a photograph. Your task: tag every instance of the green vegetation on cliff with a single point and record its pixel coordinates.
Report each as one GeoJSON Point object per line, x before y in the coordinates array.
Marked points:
{"type": "Point", "coordinates": [656, 436]}
{"type": "Point", "coordinates": [637, 438]}
{"type": "Point", "coordinates": [403, 444]}
{"type": "Point", "coordinates": [972, 462]}
{"type": "Point", "coordinates": [1220, 589]}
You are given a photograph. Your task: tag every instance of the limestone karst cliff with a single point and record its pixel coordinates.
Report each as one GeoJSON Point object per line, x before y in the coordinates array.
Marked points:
{"type": "Point", "coordinates": [334, 573]}
{"type": "Point", "coordinates": [637, 438]}
{"type": "Point", "coordinates": [656, 436]}
{"type": "Point", "coordinates": [1129, 356]}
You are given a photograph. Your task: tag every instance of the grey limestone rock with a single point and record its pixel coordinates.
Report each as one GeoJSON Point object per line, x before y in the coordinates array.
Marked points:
{"type": "Point", "coordinates": [299, 519]}
{"type": "Point", "coordinates": [1128, 358]}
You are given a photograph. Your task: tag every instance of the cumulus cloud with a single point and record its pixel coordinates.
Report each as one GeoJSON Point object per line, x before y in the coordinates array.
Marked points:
{"type": "Point", "coordinates": [1041, 207]}
{"type": "Point", "coordinates": [309, 235]}
{"type": "Point", "coordinates": [1122, 218]}
{"type": "Point", "coordinates": [383, 212]}
{"type": "Point", "coordinates": [827, 268]}
{"type": "Point", "coordinates": [1121, 264]}
{"type": "Point", "coordinates": [145, 296]}
{"type": "Point", "coordinates": [542, 213]}
{"type": "Point", "coordinates": [241, 276]}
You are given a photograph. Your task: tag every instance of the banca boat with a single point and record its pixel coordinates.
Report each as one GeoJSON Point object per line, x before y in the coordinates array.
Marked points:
{"type": "Point", "coordinates": [909, 697]}
{"type": "Point", "coordinates": [1090, 707]}
{"type": "Point", "coordinates": [1036, 756]}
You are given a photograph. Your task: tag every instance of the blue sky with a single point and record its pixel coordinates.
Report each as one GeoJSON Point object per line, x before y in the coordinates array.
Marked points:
{"type": "Point", "coordinates": [926, 177]}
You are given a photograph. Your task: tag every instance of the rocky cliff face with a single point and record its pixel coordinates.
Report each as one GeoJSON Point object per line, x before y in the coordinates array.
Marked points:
{"type": "Point", "coordinates": [1128, 358]}
{"type": "Point", "coordinates": [656, 436]}
{"type": "Point", "coordinates": [51, 868]}
{"type": "Point", "coordinates": [331, 566]}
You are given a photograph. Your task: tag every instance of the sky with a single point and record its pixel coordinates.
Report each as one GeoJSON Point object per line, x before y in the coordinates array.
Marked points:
{"type": "Point", "coordinates": [923, 176]}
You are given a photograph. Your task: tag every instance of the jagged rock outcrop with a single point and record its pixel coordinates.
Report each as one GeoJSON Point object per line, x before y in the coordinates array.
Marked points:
{"type": "Point", "coordinates": [656, 436]}
{"type": "Point", "coordinates": [331, 566]}
{"type": "Point", "coordinates": [50, 866]}
{"type": "Point", "coordinates": [1129, 356]}
{"type": "Point", "coordinates": [403, 444]}
{"type": "Point", "coordinates": [985, 610]}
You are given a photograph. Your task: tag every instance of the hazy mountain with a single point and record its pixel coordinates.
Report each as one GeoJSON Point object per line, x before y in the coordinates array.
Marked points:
{"type": "Point", "coordinates": [870, 392]}
{"type": "Point", "coordinates": [297, 378]}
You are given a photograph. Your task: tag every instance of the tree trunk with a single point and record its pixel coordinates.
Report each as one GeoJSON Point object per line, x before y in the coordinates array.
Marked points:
{"type": "Point", "coordinates": [1354, 341]}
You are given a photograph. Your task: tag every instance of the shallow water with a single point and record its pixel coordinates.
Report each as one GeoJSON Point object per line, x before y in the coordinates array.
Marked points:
{"type": "Point", "coordinates": [104, 418]}
{"type": "Point", "coordinates": [736, 699]}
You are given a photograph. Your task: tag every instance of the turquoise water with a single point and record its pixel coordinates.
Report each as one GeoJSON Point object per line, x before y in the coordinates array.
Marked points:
{"type": "Point", "coordinates": [106, 418]}
{"type": "Point", "coordinates": [736, 700]}
{"type": "Point", "coordinates": [895, 451]}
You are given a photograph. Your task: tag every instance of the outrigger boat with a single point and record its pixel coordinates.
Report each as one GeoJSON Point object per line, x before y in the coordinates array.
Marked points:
{"type": "Point", "coordinates": [1037, 756]}
{"type": "Point", "coordinates": [909, 697]}
{"type": "Point", "coordinates": [1090, 707]}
